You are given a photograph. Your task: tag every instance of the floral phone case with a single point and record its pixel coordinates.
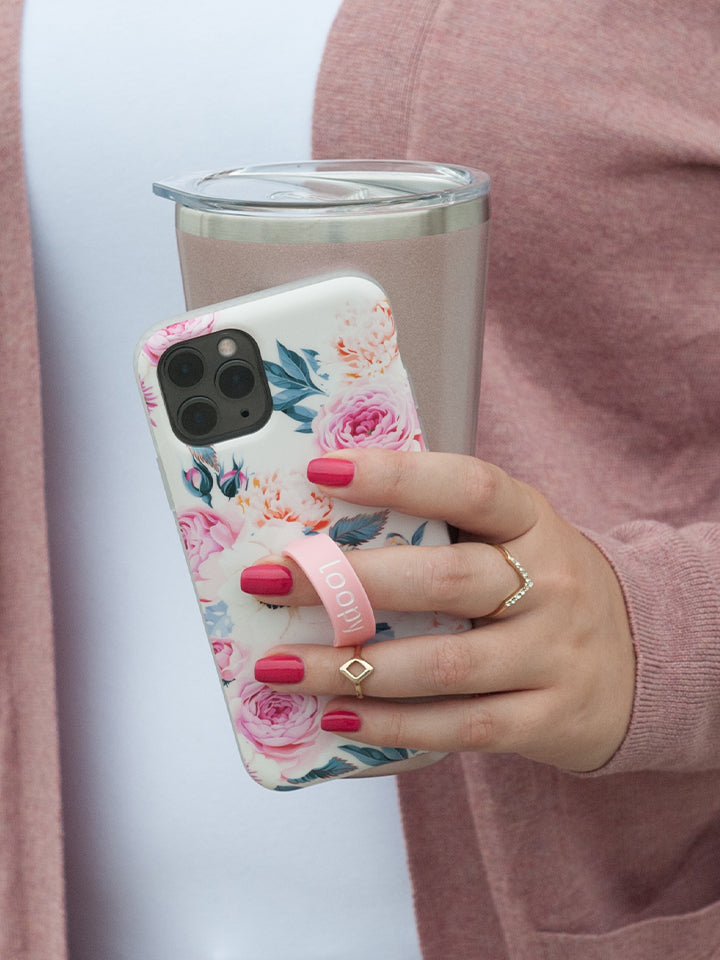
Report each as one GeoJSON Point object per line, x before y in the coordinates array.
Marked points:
{"type": "Point", "coordinates": [328, 353]}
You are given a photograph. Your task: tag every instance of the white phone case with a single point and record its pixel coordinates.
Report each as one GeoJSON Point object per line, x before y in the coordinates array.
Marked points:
{"type": "Point", "coordinates": [329, 351]}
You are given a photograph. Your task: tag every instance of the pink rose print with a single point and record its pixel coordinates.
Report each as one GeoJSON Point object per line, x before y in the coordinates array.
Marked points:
{"type": "Point", "coordinates": [369, 417]}
{"type": "Point", "coordinates": [229, 657]}
{"type": "Point", "coordinates": [182, 330]}
{"type": "Point", "coordinates": [204, 533]}
{"type": "Point", "coordinates": [284, 726]}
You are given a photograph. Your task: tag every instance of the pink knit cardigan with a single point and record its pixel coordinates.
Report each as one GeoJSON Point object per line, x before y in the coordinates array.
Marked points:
{"type": "Point", "coordinates": [599, 124]}
{"type": "Point", "coordinates": [31, 890]}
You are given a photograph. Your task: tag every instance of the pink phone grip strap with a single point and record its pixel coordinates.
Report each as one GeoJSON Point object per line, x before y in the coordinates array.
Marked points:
{"type": "Point", "coordinates": [338, 587]}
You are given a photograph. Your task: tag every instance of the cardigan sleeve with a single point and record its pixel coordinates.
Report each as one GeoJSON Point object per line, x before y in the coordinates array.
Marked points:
{"type": "Point", "coordinates": [671, 581]}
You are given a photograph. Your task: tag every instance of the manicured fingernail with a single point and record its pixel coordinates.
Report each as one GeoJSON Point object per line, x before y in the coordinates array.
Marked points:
{"type": "Point", "coordinates": [279, 669]}
{"type": "Point", "coordinates": [266, 580]}
{"type": "Point", "coordinates": [340, 721]}
{"type": "Point", "coordinates": [331, 471]}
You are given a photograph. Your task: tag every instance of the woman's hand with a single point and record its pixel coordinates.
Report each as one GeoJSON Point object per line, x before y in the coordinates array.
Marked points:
{"type": "Point", "coordinates": [551, 677]}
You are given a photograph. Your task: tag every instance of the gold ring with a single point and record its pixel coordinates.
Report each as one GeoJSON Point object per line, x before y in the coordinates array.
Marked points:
{"type": "Point", "coordinates": [362, 669]}
{"type": "Point", "coordinates": [525, 582]}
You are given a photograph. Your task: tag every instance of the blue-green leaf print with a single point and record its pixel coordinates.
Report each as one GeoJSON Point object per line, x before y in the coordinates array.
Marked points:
{"type": "Point", "coordinates": [303, 414]}
{"type": "Point", "coordinates": [287, 399]}
{"type": "Point", "coordinates": [292, 373]}
{"type": "Point", "coordinates": [217, 620]}
{"type": "Point", "coordinates": [335, 767]}
{"type": "Point", "coordinates": [352, 531]}
{"type": "Point", "coordinates": [293, 364]}
{"type": "Point", "coordinates": [233, 480]}
{"type": "Point", "coordinates": [198, 480]}
{"type": "Point", "coordinates": [293, 378]}
{"type": "Point", "coordinates": [206, 455]}
{"type": "Point", "coordinates": [375, 757]}
{"type": "Point", "coordinates": [418, 535]}
{"type": "Point", "coordinates": [395, 539]}
{"type": "Point", "coordinates": [312, 358]}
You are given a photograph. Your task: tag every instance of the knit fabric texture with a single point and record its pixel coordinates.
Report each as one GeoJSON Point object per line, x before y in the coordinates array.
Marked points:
{"type": "Point", "coordinates": [32, 919]}
{"type": "Point", "coordinates": [599, 124]}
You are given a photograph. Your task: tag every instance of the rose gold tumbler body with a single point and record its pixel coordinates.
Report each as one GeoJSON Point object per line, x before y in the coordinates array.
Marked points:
{"type": "Point", "coordinates": [419, 229]}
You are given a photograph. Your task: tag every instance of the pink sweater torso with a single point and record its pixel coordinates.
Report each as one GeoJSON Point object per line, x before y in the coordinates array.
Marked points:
{"type": "Point", "coordinates": [600, 127]}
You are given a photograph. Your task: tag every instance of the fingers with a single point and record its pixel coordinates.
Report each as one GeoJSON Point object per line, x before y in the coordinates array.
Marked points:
{"type": "Point", "coordinates": [467, 493]}
{"type": "Point", "coordinates": [502, 721]}
{"type": "Point", "coordinates": [529, 723]}
{"type": "Point", "coordinates": [552, 679]}
{"type": "Point", "coordinates": [497, 723]}
{"type": "Point", "coordinates": [448, 703]}
{"type": "Point", "coordinates": [465, 580]}
{"type": "Point", "coordinates": [478, 661]}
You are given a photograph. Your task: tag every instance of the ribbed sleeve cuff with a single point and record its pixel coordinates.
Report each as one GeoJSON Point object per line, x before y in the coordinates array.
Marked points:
{"type": "Point", "coordinates": [671, 582]}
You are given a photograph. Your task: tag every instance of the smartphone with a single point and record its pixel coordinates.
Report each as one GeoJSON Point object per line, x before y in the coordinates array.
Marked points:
{"type": "Point", "coordinates": [239, 397]}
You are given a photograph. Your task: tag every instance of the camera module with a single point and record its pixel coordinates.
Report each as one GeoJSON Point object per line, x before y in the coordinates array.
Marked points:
{"type": "Point", "coordinates": [214, 387]}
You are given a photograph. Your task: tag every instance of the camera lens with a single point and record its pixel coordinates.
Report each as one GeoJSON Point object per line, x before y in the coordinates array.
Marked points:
{"type": "Point", "coordinates": [185, 368]}
{"type": "Point", "coordinates": [235, 379]}
{"type": "Point", "coordinates": [198, 417]}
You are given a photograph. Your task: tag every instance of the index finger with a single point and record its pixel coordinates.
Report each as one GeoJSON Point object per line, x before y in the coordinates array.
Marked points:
{"type": "Point", "coordinates": [471, 494]}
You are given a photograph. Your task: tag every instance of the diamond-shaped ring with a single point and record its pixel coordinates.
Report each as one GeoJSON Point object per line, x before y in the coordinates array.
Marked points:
{"type": "Point", "coordinates": [356, 670]}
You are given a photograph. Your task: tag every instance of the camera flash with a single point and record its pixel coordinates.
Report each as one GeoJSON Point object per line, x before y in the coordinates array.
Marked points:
{"type": "Point", "coordinates": [227, 347]}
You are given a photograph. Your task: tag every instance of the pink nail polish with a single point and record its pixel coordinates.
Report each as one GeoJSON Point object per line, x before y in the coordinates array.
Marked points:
{"type": "Point", "coordinates": [281, 668]}
{"type": "Point", "coordinates": [340, 721]}
{"type": "Point", "coordinates": [266, 580]}
{"type": "Point", "coordinates": [331, 471]}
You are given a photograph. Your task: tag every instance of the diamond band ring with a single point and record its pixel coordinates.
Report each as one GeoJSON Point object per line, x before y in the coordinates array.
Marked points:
{"type": "Point", "coordinates": [525, 581]}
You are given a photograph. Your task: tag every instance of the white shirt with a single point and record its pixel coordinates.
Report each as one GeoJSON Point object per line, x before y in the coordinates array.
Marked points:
{"type": "Point", "coordinates": [173, 853]}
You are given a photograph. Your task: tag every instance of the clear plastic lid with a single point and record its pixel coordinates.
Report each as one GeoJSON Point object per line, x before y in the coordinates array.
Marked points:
{"type": "Point", "coordinates": [327, 188]}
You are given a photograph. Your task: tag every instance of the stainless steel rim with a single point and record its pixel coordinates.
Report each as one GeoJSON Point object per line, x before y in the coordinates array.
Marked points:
{"type": "Point", "coordinates": [395, 225]}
